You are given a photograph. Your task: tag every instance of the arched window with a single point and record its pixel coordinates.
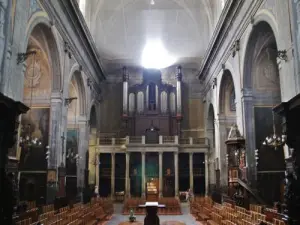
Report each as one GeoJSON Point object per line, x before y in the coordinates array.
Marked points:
{"type": "Point", "coordinates": [152, 97]}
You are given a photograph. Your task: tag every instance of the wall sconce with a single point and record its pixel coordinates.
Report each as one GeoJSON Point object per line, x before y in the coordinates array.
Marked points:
{"type": "Point", "coordinates": [23, 56]}
{"type": "Point", "coordinates": [282, 55]}
{"type": "Point", "coordinates": [69, 100]}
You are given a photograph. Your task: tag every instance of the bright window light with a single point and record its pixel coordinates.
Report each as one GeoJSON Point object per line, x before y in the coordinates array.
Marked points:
{"type": "Point", "coordinates": [82, 6]}
{"type": "Point", "coordinates": [155, 56]}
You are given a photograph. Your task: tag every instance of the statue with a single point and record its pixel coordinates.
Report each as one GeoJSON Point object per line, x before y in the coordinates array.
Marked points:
{"type": "Point", "coordinates": [132, 217]}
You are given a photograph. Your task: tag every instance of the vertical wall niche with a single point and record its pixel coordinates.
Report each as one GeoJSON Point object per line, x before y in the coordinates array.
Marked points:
{"type": "Point", "coordinates": [135, 171]}
{"type": "Point", "coordinates": [105, 174]}
{"type": "Point", "coordinates": [184, 171]}
{"type": "Point", "coordinates": [140, 102]}
{"type": "Point", "coordinates": [131, 104]}
{"type": "Point", "coordinates": [168, 174]}
{"type": "Point", "coordinates": [172, 103]}
{"type": "Point", "coordinates": [163, 102]}
{"type": "Point", "coordinates": [120, 172]}
{"type": "Point", "coordinates": [199, 173]}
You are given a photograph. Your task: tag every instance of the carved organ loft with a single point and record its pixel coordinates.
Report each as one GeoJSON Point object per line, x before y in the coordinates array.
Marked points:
{"type": "Point", "coordinates": [152, 106]}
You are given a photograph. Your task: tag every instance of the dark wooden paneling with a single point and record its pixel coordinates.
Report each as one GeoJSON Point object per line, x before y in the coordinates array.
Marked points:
{"type": "Point", "coordinates": [269, 158]}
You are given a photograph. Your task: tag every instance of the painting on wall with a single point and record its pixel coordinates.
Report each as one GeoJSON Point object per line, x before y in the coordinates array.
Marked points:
{"type": "Point", "coordinates": [71, 151]}
{"type": "Point", "coordinates": [34, 126]}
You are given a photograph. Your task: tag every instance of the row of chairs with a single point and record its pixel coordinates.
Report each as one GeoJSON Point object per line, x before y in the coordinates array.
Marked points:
{"type": "Point", "coordinates": [204, 209]}
{"type": "Point", "coordinates": [97, 212]}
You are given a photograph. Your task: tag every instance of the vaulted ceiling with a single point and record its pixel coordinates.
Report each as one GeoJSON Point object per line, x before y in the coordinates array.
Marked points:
{"type": "Point", "coordinates": [122, 28]}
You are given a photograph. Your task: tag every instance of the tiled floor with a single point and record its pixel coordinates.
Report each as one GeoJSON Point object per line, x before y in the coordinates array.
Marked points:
{"type": "Point", "coordinates": [185, 218]}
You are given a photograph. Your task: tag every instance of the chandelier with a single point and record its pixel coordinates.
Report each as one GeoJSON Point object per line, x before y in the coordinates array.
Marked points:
{"type": "Point", "coordinates": [275, 141]}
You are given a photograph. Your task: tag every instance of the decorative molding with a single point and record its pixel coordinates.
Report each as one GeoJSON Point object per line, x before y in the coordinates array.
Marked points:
{"type": "Point", "coordinates": [72, 28]}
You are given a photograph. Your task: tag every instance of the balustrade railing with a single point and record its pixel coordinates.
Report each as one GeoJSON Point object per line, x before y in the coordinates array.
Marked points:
{"type": "Point", "coordinates": [162, 140]}
{"type": "Point", "coordinates": [168, 139]}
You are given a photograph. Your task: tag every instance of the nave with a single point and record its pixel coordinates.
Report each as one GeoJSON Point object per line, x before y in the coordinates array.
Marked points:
{"type": "Point", "coordinates": [199, 211]}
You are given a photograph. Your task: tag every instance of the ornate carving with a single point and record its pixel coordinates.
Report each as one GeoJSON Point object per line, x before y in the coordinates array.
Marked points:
{"type": "Point", "coordinates": [235, 47]}
{"type": "Point", "coordinates": [214, 83]}
{"type": "Point", "coordinates": [33, 74]}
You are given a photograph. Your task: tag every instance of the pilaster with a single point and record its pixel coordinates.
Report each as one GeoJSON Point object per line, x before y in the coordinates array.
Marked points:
{"type": "Point", "coordinates": [191, 171]}
{"type": "Point", "coordinates": [176, 173]}
{"type": "Point", "coordinates": [160, 161]}
{"type": "Point", "coordinates": [143, 174]}
{"type": "Point", "coordinates": [55, 141]}
{"type": "Point", "coordinates": [206, 174]}
{"type": "Point", "coordinates": [127, 179]}
{"type": "Point", "coordinates": [113, 169]}
{"type": "Point", "coordinates": [247, 104]}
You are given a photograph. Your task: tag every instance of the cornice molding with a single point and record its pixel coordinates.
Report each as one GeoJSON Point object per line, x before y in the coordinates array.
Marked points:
{"type": "Point", "coordinates": [223, 26]}
{"type": "Point", "coordinates": [71, 25]}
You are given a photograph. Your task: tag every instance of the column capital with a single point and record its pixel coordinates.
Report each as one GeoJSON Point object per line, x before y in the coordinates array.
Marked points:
{"type": "Point", "coordinates": [125, 74]}
{"type": "Point", "coordinates": [179, 73]}
{"type": "Point", "coordinates": [160, 153]}
{"type": "Point", "coordinates": [143, 153]}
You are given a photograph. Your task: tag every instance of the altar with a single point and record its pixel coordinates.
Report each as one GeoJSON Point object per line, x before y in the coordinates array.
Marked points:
{"type": "Point", "coordinates": [151, 209]}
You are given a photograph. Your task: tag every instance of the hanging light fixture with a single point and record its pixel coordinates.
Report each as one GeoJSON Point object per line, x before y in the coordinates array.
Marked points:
{"type": "Point", "coordinates": [27, 141]}
{"type": "Point", "coordinates": [275, 140]}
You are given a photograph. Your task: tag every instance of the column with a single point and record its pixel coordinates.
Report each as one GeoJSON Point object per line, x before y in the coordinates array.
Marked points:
{"type": "Point", "coordinates": [191, 171]}
{"type": "Point", "coordinates": [160, 161]}
{"type": "Point", "coordinates": [55, 141]}
{"type": "Point", "coordinates": [247, 104]}
{"type": "Point", "coordinates": [206, 174]}
{"type": "Point", "coordinates": [82, 146]}
{"type": "Point", "coordinates": [125, 91]}
{"type": "Point", "coordinates": [113, 166]}
{"type": "Point", "coordinates": [143, 174]}
{"type": "Point", "coordinates": [127, 179]}
{"type": "Point", "coordinates": [176, 172]}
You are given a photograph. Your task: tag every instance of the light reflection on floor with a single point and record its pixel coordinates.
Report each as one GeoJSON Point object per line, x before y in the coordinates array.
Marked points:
{"type": "Point", "coordinates": [185, 218]}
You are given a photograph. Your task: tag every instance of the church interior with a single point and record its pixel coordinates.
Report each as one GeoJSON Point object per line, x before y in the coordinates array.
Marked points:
{"type": "Point", "coordinates": [171, 112]}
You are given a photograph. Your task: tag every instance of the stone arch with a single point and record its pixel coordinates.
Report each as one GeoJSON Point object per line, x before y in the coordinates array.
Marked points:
{"type": "Point", "coordinates": [41, 24]}
{"type": "Point", "coordinates": [261, 92]}
{"type": "Point", "coordinates": [76, 79]}
{"type": "Point", "coordinates": [265, 16]}
{"type": "Point", "coordinates": [227, 94]}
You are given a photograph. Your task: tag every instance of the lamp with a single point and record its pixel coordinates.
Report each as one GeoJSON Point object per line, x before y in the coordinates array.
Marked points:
{"type": "Point", "coordinates": [275, 140]}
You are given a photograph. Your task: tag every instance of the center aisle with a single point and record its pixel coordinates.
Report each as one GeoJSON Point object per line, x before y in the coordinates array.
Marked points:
{"type": "Point", "coordinates": [186, 218]}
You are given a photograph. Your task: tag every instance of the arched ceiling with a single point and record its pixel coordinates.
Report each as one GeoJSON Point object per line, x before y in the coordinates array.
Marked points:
{"type": "Point", "coordinates": [121, 29]}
